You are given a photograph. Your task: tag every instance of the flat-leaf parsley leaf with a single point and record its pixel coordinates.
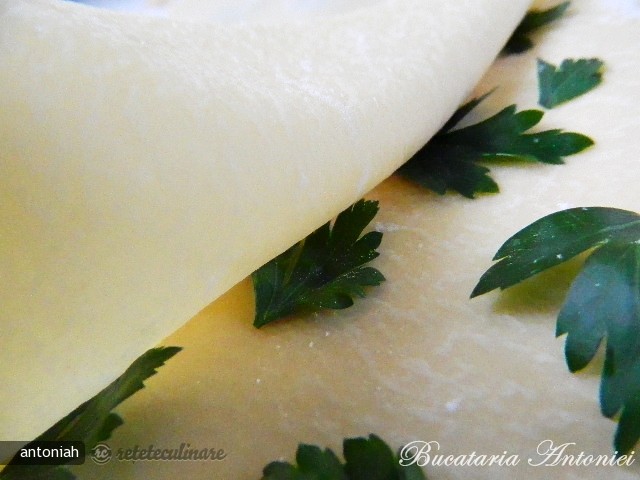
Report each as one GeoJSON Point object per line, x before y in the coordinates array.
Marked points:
{"type": "Point", "coordinates": [603, 301]}
{"type": "Point", "coordinates": [365, 459]}
{"type": "Point", "coordinates": [533, 20]}
{"type": "Point", "coordinates": [325, 270]}
{"type": "Point", "coordinates": [570, 80]}
{"type": "Point", "coordinates": [448, 160]}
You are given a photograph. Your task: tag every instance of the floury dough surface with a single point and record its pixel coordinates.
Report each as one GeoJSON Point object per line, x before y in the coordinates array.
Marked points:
{"type": "Point", "coordinates": [148, 164]}
{"type": "Point", "coordinates": [419, 360]}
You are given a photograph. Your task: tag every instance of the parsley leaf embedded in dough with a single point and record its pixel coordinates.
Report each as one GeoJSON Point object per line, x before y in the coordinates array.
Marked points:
{"type": "Point", "coordinates": [533, 20]}
{"type": "Point", "coordinates": [93, 421]}
{"type": "Point", "coordinates": [570, 80]}
{"type": "Point", "coordinates": [448, 160]}
{"type": "Point", "coordinates": [365, 459]}
{"type": "Point", "coordinates": [325, 270]}
{"type": "Point", "coordinates": [603, 302]}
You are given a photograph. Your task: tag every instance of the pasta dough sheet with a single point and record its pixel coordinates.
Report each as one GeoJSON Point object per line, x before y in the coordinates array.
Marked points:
{"type": "Point", "coordinates": [419, 360]}
{"type": "Point", "coordinates": [148, 163]}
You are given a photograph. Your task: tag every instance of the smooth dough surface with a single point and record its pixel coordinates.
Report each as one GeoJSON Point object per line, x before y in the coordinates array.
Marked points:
{"type": "Point", "coordinates": [148, 164]}
{"type": "Point", "coordinates": [419, 360]}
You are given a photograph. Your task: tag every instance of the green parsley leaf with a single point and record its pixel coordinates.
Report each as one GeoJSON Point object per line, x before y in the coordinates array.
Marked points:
{"type": "Point", "coordinates": [447, 161]}
{"type": "Point", "coordinates": [92, 422]}
{"type": "Point", "coordinates": [572, 79]}
{"type": "Point", "coordinates": [603, 301]}
{"type": "Point", "coordinates": [312, 463]}
{"type": "Point", "coordinates": [365, 459]}
{"type": "Point", "coordinates": [555, 239]}
{"type": "Point", "coordinates": [325, 270]}
{"type": "Point", "coordinates": [369, 459]}
{"type": "Point", "coordinates": [533, 20]}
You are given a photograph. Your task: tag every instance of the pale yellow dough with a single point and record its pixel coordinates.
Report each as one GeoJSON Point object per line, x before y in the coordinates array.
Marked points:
{"type": "Point", "coordinates": [419, 360]}
{"type": "Point", "coordinates": [149, 164]}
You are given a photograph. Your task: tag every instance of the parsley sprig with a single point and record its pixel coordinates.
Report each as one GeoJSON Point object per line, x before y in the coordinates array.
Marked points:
{"type": "Point", "coordinates": [325, 270]}
{"type": "Point", "coordinates": [93, 421]}
{"type": "Point", "coordinates": [365, 459]}
{"type": "Point", "coordinates": [603, 301]}
{"type": "Point", "coordinates": [449, 161]}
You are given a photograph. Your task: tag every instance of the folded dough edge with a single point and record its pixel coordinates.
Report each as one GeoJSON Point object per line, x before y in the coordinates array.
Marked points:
{"type": "Point", "coordinates": [148, 165]}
